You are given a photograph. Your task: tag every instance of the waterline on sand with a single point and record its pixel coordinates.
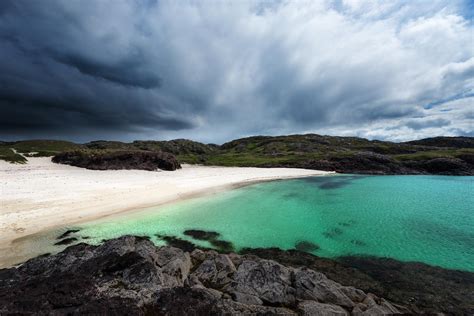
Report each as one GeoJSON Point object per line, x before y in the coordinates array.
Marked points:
{"type": "Point", "coordinates": [408, 218]}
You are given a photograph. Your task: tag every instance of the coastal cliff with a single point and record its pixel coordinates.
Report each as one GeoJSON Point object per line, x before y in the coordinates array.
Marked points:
{"type": "Point", "coordinates": [130, 275]}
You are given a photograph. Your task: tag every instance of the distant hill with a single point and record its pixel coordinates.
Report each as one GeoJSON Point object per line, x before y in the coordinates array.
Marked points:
{"type": "Point", "coordinates": [348, 155]}
{"type": "Point", "coordinates": [457, 142]}
{"type": "Point", "coordinates": [438, 155]}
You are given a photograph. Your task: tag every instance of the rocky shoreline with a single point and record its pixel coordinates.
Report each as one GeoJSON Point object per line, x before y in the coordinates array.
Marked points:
{"type": "Point", "coordinates": [130, 275]}
{"type": "Point", "coordinates": [424, 289]}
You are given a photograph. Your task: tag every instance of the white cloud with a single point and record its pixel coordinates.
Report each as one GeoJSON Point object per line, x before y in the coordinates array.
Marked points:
{"type": "Point", "coordinates": [242, 67]}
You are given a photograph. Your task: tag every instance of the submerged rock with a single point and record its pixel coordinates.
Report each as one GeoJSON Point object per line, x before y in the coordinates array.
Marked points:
{"type": "Point", "coordinates": [358, 242]}
{"type": "Point", "coordinates": [212, 238]}
{"type": "Point", "coordinates": [201, 234]}
{"type": "Point", "coordinates": [131, 276]}
{"type": "Point", "coordinates": [333, 233]}
{"type": "Point", "coordinates": [177, 242]}
{"type": "Point", "coordinates": [222, 245]}
{"type": "Point", "coordinates": [344, 224]}
{"type": "Point", "coordinates": [306, 246]}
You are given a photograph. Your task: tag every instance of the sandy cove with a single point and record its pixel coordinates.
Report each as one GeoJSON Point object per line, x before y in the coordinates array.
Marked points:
{"type": "Point", "coordinates": [41, 195]}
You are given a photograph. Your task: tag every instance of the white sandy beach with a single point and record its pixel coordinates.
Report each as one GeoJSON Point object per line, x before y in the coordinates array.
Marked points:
{"type": "Point", "coordinates": [42, 195]}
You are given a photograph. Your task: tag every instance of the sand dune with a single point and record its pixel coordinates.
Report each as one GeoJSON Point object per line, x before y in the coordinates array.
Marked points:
{"type": "Point", "coordinates": [42, 195]}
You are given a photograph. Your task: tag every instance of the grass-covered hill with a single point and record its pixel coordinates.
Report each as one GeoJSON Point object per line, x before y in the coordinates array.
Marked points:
{"type": "Point", "coordinates": [458, 142]}
{"type": "Point", "coordinates": [15, 152]}
{"type": "Point", "coordinates": [439, 155]}
{"type": "Point", "coordinates": [349, 154]}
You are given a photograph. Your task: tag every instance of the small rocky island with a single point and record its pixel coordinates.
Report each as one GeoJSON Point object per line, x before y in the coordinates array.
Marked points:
{"type": "Point", "coordinates": [131, 276]}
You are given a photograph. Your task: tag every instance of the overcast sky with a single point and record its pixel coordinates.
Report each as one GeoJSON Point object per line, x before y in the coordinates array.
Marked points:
{"type": "Point", "coordinates": [214, 70]}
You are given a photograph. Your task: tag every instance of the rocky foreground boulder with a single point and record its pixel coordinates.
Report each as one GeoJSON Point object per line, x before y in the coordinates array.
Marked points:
{"type": "Point", "coordinates": [118, 159]}
{"type": "Point", "coordinates": [131, 276]}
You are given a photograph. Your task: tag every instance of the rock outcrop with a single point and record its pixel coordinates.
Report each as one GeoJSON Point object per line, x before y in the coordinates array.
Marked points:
{"type": "Point", "coordinates": [118, 159]}
{"type": "Point", "coordinates": [130, 275]}
{"type": "Point", "coordinates": [379, 164]}
{"type": "Point", "coordinates": [424, 289]}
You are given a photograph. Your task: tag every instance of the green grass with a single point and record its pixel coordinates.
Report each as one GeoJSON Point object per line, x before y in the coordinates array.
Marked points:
{"type": "Point", "coordinates": [252, 160]}
{"type": "Point", "coordinates": [9, 155]}
{"type": "Point", "coordinates": [34, 148]}
{"type": "Point", "coordinates": [192, 159]}
{"type": "Point", "coordinates": [45, 147]}
{"type": "Point", "coordinates": [232, 159]}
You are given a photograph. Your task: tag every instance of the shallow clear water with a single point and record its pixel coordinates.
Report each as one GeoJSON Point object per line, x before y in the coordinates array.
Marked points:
{"type": "Point", "coordinates": [410, 218]}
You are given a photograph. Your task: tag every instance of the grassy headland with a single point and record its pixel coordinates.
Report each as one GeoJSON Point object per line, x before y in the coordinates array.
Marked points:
{"type": "Point", "coordinates": [439, 155]}
{"type": "Point", "coordinates": [8, 154]}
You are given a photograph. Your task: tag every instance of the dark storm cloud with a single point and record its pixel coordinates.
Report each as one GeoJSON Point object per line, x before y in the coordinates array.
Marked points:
{"type": "Point", "coordinates": [126, 72]}
{"type": "Point", "coordinates": [421, 124]}
{"type": "Point", "coordinates": [40, 96]}
{"type": "Point", "coordinates": [214, 71]}
{"type": "Point", "coordinates": [51, 84]}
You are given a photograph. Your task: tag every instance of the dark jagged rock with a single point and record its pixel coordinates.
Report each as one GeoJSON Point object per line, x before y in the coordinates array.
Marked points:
{"type": "Point", "coordinates": [443, 166]}
{"type": "Point", "coordinates": [418, 284]}
{"type": "Point", "coordinates": [456, 142]}
{"type": "Point", "coordinates": [213, 270]}
{"type": "Point", "coordinates": [367, 163]}
{"type": "Point", "coordinates": [201, 234]}
{"type": "Point", "coordinates": [319, 309]}
{"type": "Point", "coordinates": [468, 158]}
{"type": "Point", "coordinates": [118, 159]}
{"type": "Point", "coordinates": [306, 246]}
{"type": "Point", "coordinates": [202, 301]}
{"type": "Point", "coordinates": [131, 276]}
{"type": "Point", "coordinates": [422, 288]}
{"type": "Point", "coordinates": [66, 241]}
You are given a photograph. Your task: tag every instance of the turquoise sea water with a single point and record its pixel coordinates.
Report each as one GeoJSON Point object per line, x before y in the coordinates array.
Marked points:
{"type": "Point", "coordinates": [410, 218]}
